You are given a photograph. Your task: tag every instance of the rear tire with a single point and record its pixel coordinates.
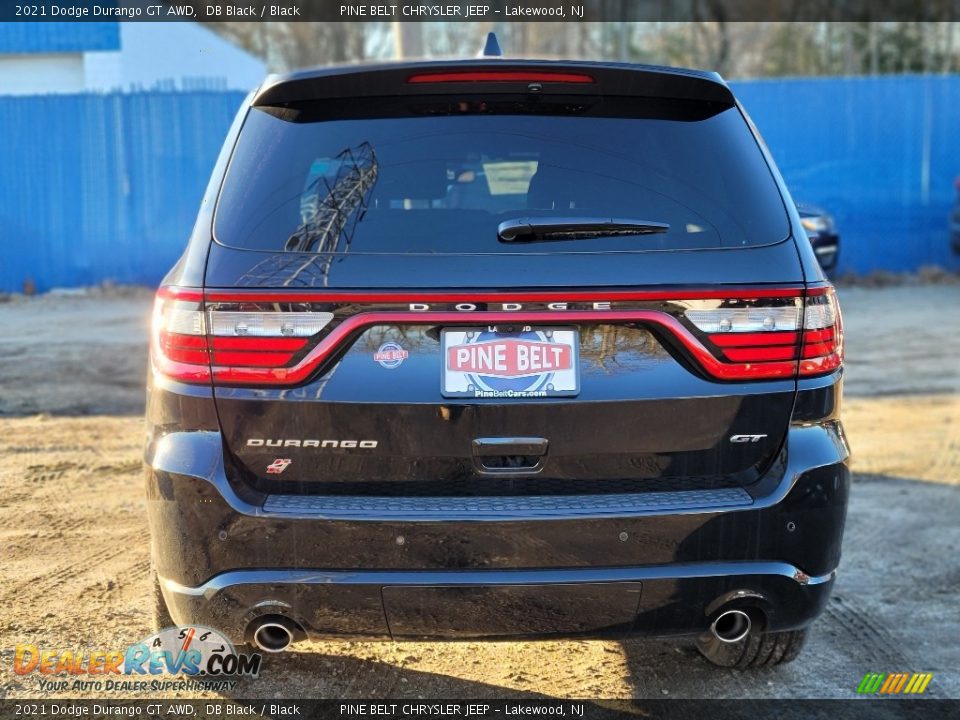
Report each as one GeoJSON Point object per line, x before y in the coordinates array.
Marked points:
{"type": "Point", "coordinates": [160, 618]}
{"type": "Point", "coordinates": [757, 650]}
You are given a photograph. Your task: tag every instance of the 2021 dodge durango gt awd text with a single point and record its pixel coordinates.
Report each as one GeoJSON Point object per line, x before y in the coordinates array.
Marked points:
{"type": "Point", "coordinates": [497, 349]}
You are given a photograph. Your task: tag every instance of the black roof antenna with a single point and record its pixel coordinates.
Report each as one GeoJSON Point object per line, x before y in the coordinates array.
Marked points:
{"type": "Point", "coordinates": [492, 47]}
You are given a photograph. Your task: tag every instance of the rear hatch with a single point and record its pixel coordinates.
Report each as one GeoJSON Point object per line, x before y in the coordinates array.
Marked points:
{"type": "Point", "coordinates": [499, 280]}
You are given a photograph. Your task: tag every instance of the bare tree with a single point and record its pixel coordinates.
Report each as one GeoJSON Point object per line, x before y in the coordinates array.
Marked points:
{"type": "Point", "coordinates": [289, 45]}
{"type": "Point", "coordinates": [735, 49]}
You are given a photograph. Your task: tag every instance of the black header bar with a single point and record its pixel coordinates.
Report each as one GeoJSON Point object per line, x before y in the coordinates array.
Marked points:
{"type": "Point", "coordinates": [575, 11]}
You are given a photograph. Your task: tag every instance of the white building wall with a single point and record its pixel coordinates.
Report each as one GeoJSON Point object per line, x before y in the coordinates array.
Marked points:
{"type": "Point", "coordinates": [154, 54]}
{"type": "Point", "coordinates": [40, 74]}
{"type": "Point", "coordinates": [102, 70]}
{"type": "Point", "coordinates": [168, 56]}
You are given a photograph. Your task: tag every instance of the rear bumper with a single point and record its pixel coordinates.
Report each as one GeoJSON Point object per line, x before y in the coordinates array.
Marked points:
{"type": "Point", "coordinates": [450, 568]}
{"type": "Point", "coordinates": [652, 600]}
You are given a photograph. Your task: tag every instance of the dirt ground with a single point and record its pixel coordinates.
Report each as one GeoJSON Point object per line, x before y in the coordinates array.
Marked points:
{"type": "Point", "coordinates": [75, 559]}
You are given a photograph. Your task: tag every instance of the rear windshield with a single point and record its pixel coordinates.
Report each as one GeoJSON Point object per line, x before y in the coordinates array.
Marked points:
{"type": "Point", "coordinates": [303, 181]}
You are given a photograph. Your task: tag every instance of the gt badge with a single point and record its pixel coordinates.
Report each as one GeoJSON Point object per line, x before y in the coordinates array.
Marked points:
{"type": "Point", "coordinates": [278, 466]}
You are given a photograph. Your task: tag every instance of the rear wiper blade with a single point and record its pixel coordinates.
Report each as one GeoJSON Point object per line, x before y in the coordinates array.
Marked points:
{"type": "Point", "coordinates": [546, 229]}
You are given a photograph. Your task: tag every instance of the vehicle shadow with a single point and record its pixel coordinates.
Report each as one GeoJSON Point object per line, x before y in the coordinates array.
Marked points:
{"type": "Point", "coordinates": [326, 675]}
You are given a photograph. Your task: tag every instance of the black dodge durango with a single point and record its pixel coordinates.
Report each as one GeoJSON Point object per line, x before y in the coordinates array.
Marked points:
{"type": "Point", "coordinates": [497, 349]}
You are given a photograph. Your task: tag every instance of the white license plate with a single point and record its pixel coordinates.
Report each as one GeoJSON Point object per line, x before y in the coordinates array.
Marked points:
{"type": "Point", "coordinates": [510, 362]}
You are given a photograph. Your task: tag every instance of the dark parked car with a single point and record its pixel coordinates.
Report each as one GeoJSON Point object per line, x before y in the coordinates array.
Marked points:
{"type": "Point", "coordinates": [491, 349]}
{"type": "Point", "coordinates": [822, 231]}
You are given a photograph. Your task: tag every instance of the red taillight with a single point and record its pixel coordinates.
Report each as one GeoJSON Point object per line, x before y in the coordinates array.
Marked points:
{"type": "Point", "coordinates": [184, 348]}
{"type": "Point", "coordinates": [753, 338]}
{"type": "Point", "coordinates": [822, 350]}
{"type": "Point", "coordinates": [194, 343]}
{"type": "Point", "coordinates": [750, 347]}
{"type": "Point", "coordinates": [254, 351]}
{"type": "Point", "coordinates": [770, 337]}
{"type": "Point", "coordinates": [244, 337]}
{"type": "Point", "coordinates": [179, 346]}
{"type": "Point", "coordinates": [761, 354]}
{"type": "Point", "coordinates": [500, 76]}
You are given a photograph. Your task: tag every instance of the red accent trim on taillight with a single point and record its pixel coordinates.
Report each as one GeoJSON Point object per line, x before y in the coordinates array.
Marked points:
{"type": "Point", "coordinates": [178, 356]}
{"type": "Point", "coordinates": [169, 292]}
{"type": "Point", "coordinates": [746, 339]}
{"type": "Point", "coordinates": [183, 371]}
{"type": "Point", "coordinates": [258, 344]}
{"type": "Point", "coordinates": [251, 359]}
{"type": "Point", "coordinates": [187, 356]}
{"type": "Point", "coordinates": [191, 357]}
{"type": "Point", "coordinates": [175, 340]}
{"type": "Point", "coordinates": [822, 349]}
{"type": "Point", "coordinates": [344, 297]}
{"type": "Point", "coordinates": [811, 350]}
{"type": "Point", "coordinates": [526, 76]}
{"type": "Point", "coordinates": [761, 354]}
{"type": "Point", "coordinates": [816, 336]}
{"type": "Point", "coordinates": [820, 365]}
{"type": "Point", "coordinates": [255, 351]}
{"type": "Point", "coordinates": [303, 369]}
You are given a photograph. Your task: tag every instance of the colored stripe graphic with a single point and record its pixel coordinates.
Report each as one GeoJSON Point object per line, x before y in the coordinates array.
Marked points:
{"type": "Point", "coordinates": [923, 682]}
{"type": "Point", "coordinates": [894, 683]}
{"type": "Point", "coordinates": [870, 683]}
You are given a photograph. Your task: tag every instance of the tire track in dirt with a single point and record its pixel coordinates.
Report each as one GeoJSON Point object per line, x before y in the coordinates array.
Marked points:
{"type": "Point", "coordinates": [48, 580]}
{"type": "Point", "coordinates": [856, 627]}
{"type": "Point", "coordinates": [131, 576]}
{"type": "Point", "coordinates": [43, 473]}
{"type": "Point", "coordinates": [124, 582]}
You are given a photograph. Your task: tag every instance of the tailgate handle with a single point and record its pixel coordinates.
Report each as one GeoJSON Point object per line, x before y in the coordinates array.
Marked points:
{"type": "Point", "coordinates": [509, 455]}
{"type": "Point", "coordinates": [483, 447]}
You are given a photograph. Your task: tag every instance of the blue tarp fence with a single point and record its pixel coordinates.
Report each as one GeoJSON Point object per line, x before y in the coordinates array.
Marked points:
{"type": "Point", "coordinates": [880, 153]}
{"type": "Point", "coordinates": [106, 187]}
{"type": "Point", "coordinates": [103, 187]}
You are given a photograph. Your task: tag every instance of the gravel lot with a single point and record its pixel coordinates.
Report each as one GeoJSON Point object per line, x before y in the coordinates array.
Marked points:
{"type": "Point", "coordinates": [76, 549]}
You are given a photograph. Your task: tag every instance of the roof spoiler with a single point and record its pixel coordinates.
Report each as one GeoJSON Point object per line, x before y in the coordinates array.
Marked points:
{"type": "Point", "coordinates": [493, 76]}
